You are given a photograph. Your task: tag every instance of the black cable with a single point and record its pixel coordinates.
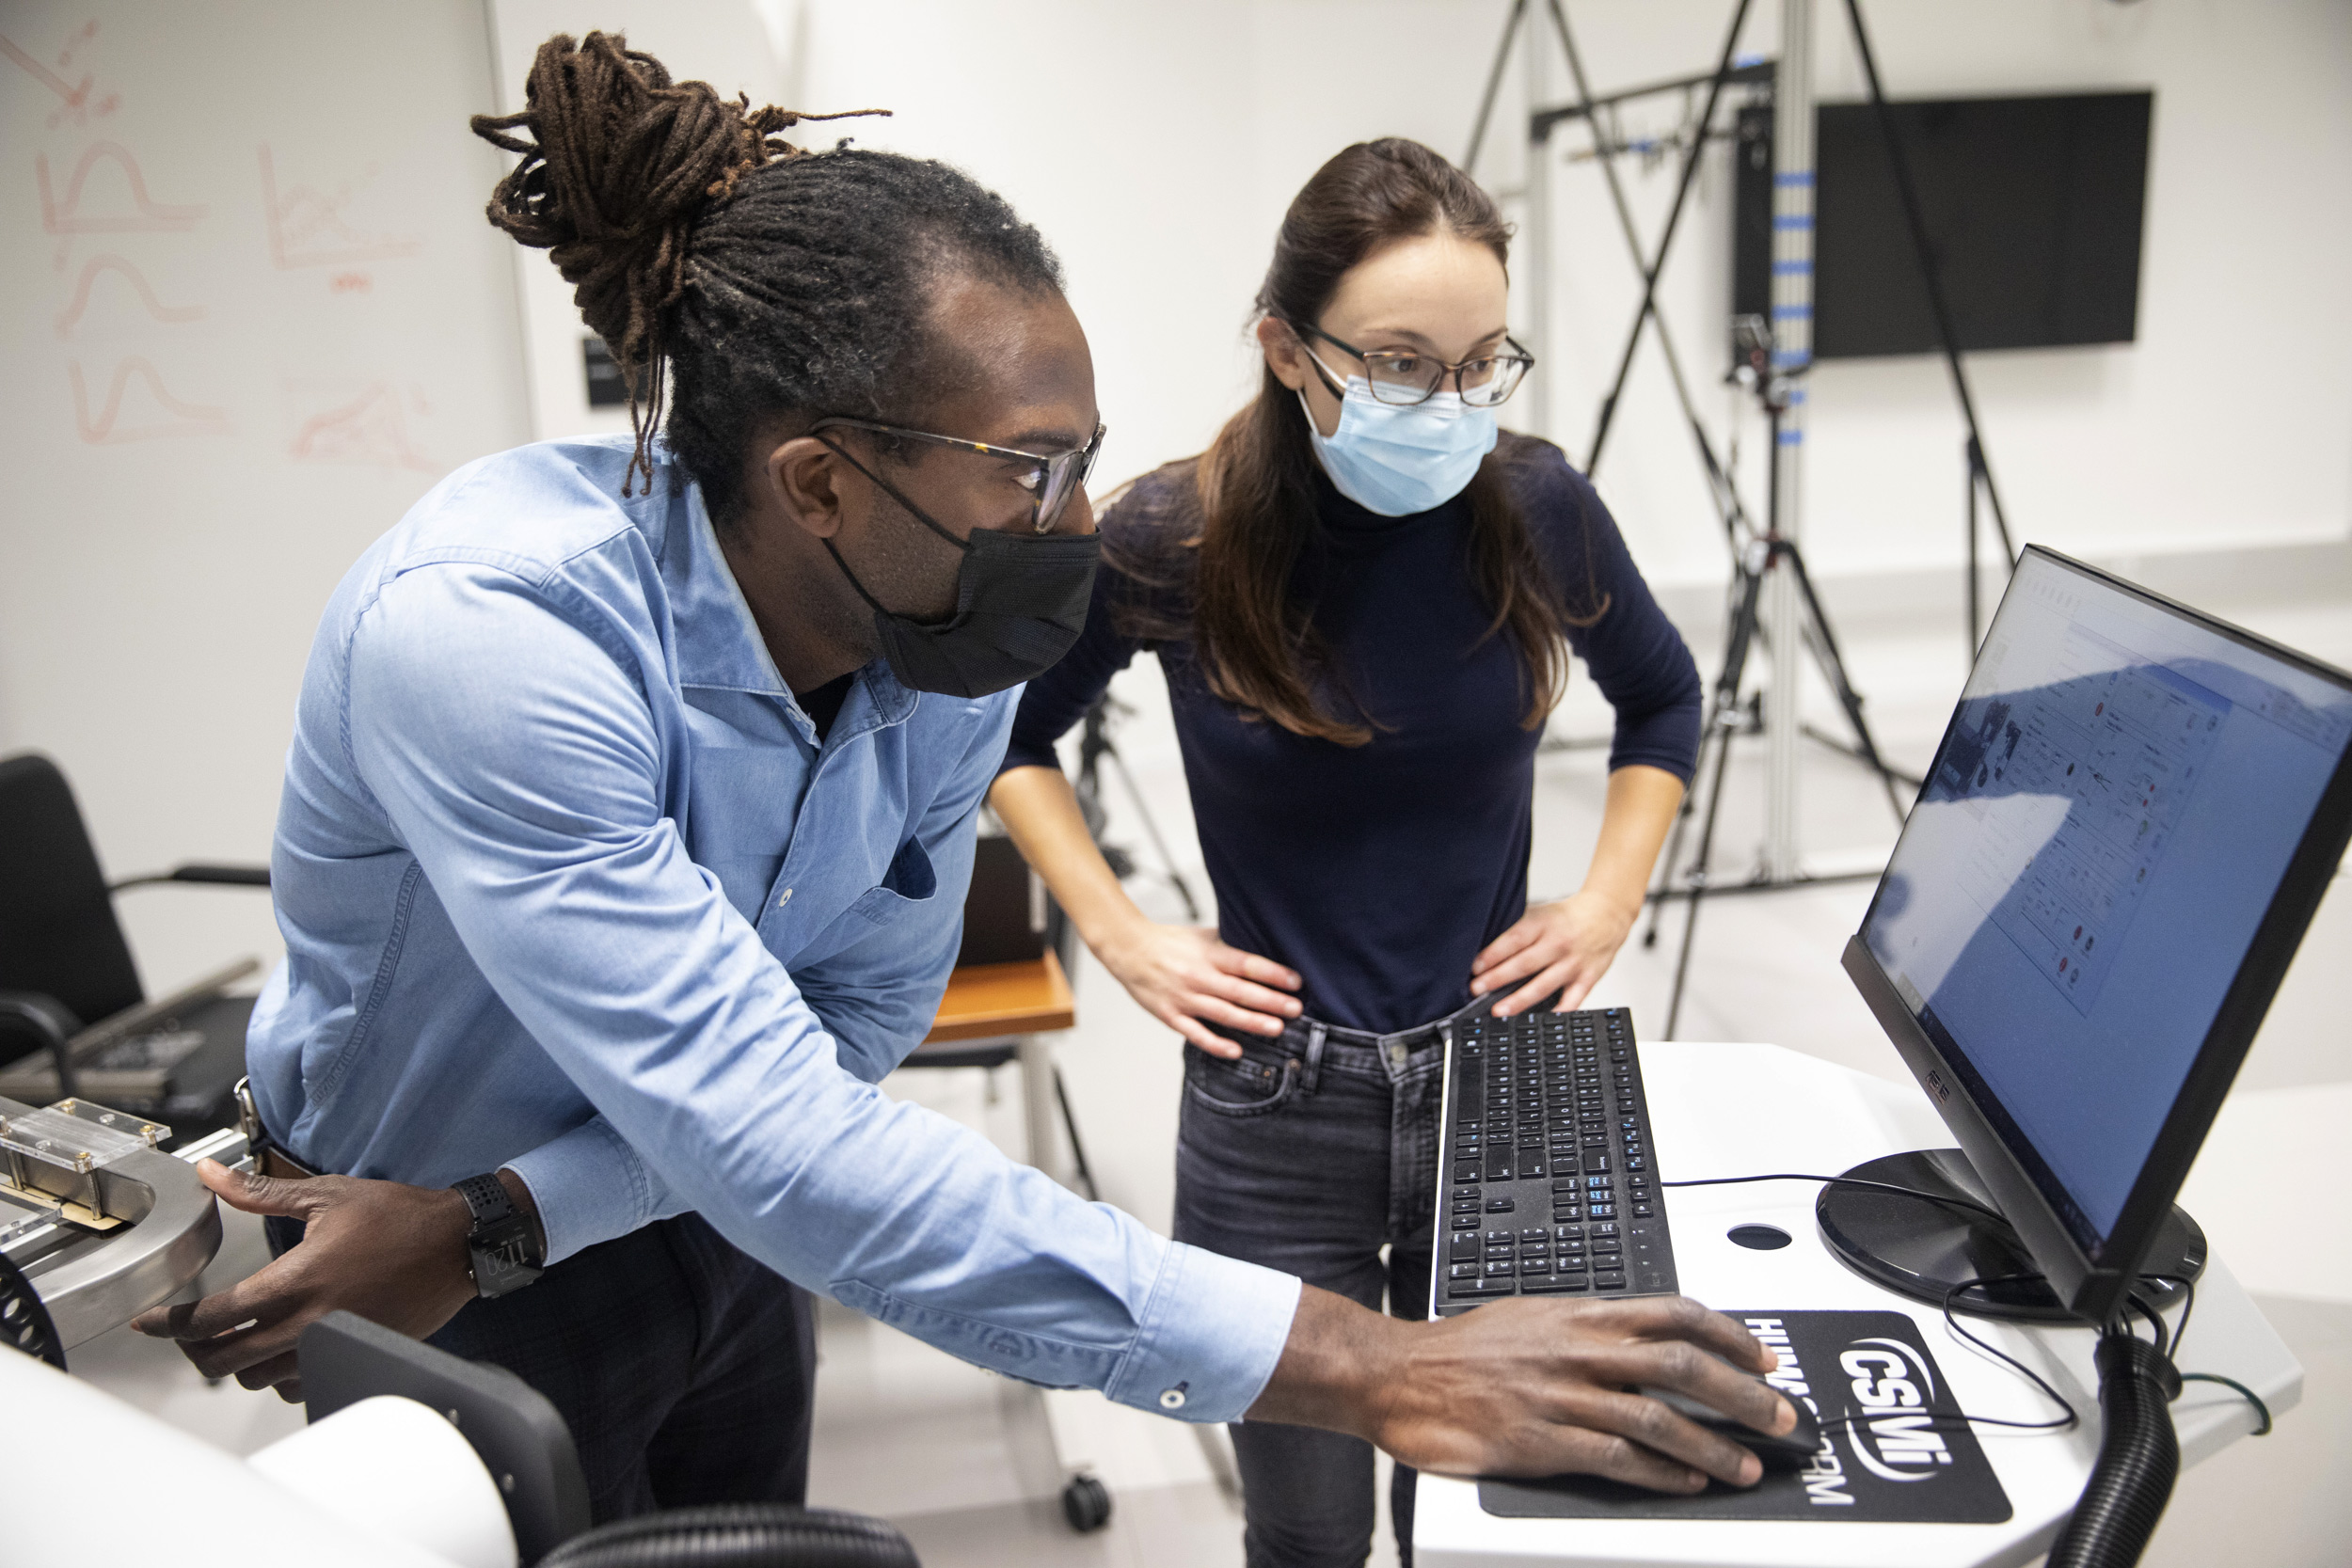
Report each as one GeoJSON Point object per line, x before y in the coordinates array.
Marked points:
{"type": "Point", "coordinates": [1952, 1322]}
{"type": "Point", "coordinates": [1948, 1199]}
{"type": "Point", "coordinates": [2262, 1411]}
{"type": "Point", "coordinates": [2168, 1342]}
{"type": "Point", "coordinates": [2156, 1323]}
{"type": "Point", "coordinates": [2188, 1289]}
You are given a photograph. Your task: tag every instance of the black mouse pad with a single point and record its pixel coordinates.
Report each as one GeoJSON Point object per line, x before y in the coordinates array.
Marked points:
{"type": "Point", "coordinates": [1905, 1459]}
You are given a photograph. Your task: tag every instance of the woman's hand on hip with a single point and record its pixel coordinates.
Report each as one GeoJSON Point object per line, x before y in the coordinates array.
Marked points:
{"type": "Point", "coordinates": [1566, 948]}
{"type": "Point", "coordinates": [1188, 978]}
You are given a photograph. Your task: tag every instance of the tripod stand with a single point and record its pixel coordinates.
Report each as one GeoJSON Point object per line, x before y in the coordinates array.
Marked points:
{"type": "Point", "coordinates": [1793, 614]}
{"type": "Point", "coordinates": [1094, 747]}
{"type": "Point", "coordinates": [1754, 562]}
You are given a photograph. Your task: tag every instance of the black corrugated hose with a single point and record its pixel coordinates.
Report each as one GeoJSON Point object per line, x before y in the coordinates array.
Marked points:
{"type": "Point", "coordinates": [2139, 1458]}
{"type": "Point", "coordinates": [738, 1535]}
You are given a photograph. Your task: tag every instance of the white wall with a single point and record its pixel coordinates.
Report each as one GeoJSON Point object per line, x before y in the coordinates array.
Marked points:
{"type": "Point", "coordinates": [164, 556]}
{"type": "Point", "coordinates": [737, 45]}
{"type": "Point", "coordinates": [1157, 145]}
{"type": "Point", "coordinates": [156, 596]}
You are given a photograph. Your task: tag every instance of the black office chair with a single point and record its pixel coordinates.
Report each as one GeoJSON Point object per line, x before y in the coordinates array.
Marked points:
{"type": "Point", "coordinates": [74, 1017]}
{"type": "Point", "coordinates": [523, 1442]}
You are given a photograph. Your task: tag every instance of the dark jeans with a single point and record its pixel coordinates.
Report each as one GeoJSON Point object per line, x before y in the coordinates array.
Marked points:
{"type": "Point", "coordinates": [1310, 1155]}
{"type": "Point", "coordinates": [684, 1368]}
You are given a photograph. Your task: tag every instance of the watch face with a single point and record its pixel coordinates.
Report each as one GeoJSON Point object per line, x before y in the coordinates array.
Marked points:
{"type": "Point", "coordinates": [501, 1257]}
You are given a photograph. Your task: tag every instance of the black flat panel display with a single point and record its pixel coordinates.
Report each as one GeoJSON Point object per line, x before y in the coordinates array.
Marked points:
{"type": "Point", "coordinates": [2033, 208]}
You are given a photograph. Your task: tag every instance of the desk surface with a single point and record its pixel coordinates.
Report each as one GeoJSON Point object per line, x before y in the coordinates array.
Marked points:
{"type": "Point", "coordinates": [1730, 1110]}
{"type": "Point", "coordinates": [985, 999]}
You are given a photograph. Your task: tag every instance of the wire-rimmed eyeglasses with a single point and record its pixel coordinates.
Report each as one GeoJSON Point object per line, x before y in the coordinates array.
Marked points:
{"type": "Point", "coordinates": [1406, 376]}
{"type": "Point", "coordinates": [1051, 479]}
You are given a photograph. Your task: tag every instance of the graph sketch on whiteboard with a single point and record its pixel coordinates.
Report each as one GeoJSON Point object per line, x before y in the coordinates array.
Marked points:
{"type": "Point", "coordinates": [71, 317]}
{"type": "Point", "coordinates": [69, 214]}
{"type": "Point", "coordinates": [355, 422]}
{"type": "Point", "coordinates": [169, 415]}
{"type": "Point", "coordinates": [308, 228]}
{"type": "Point", "coordinates": [77, 101]}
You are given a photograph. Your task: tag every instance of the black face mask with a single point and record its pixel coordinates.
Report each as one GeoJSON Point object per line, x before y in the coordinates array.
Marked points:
{"type": "Point", "coordinates": [1020, 604]}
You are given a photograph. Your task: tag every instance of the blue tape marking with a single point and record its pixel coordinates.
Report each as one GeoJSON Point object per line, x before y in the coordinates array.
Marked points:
{"type": "Point", "coordinates": [1794, 220]}
{"type": "Point", "coordinates": [1790, 269]}
{"type": "Point", "coordinates": [1791, 438]}
{"type": "Point", "coordinates": [1791, 312]}
{"type": "Point", "coordinates": [1794, 176]}
{"type": "Point", "coordinates": [1790, 359]}
{"type": "Point", "coordinates": [1796, 395]}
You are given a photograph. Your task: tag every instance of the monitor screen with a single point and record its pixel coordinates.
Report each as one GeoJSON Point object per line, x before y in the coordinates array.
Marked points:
{"type": "Point", "coordinates": [2034, 207]}
{"type": "Point", "coordinates": [2107, 823]}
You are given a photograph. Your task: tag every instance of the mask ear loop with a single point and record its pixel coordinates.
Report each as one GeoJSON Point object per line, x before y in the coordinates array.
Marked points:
{"type": "Point", "coordinates": [894, 493]}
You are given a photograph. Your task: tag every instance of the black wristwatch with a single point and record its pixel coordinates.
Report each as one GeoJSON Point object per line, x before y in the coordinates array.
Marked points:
{"type": "Point", "coordinates": [501, 1247]}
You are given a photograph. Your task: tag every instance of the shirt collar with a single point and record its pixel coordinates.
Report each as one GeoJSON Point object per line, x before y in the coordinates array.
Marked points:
{"type": "Point", "coordinates": [717, 641]}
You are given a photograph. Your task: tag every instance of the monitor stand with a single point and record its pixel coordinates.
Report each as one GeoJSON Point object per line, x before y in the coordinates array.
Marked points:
{"type": "Point", "coordinates": [1922, 1249]}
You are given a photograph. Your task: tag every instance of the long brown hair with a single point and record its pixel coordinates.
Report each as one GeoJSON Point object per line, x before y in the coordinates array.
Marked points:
{"type": "Point", "coordinates": [1257, 647]}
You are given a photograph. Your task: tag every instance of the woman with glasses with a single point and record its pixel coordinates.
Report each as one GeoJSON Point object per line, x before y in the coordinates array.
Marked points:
{"type": "Point", "coordinates": [1365, 599]}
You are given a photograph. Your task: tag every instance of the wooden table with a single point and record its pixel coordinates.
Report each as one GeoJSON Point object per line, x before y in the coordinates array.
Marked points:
{"type": "Point", "coordinates": [1009, 1008]}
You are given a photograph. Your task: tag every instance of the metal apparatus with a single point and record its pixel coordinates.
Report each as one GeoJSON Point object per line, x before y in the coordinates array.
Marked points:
{"type": "Point", "coordinates": [96, 1218]}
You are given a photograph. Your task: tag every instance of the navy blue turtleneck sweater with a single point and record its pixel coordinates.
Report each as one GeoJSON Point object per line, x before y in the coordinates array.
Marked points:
{"type": "Point", "coordinates": [1378, 871]}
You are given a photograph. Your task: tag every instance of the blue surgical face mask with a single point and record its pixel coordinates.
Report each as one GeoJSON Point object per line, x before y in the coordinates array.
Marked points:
{"type": "Point", "coordinates": [1398, 461]}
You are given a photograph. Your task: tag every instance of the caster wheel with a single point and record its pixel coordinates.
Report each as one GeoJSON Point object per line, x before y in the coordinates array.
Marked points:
{"type": "Point", "coordinates": [1086, 1502]}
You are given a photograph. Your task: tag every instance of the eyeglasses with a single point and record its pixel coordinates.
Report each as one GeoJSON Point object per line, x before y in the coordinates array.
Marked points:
{"type": "Point", "coordinates": [1049, 480]}
{"type": "Point", "coordinates": [1403, 377]}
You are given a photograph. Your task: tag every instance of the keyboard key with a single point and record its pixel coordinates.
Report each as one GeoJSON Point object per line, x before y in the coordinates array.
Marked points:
{"type": "Point", "coordinates": [1555, 1285]}
{"type": "Point", "coordinates": [1463, 1271]}
{"type": "Point", "coordinates": [1499, 1236]}
{"type": "Point", "coordinates": [1610, 1229]}
{"type": "Point", "coordinates": [1465, 1170]}
{"type": "Point", "coordinates": [1604, 1211]}
{"type": "Point", "coordinates": [1501, 1265]}
{"type": "Point", "coordinates": [1535, 1233]}
{"type": "Point", "coordinates": [1596, 1161]}
{"type": "Point", "coordinates": [1464, 1244]}
{"type": "Point", "coordinates": [1460, 1288]}
{"type": "Point", "coordinates": [1500, 1205]}
{"type": "Point", "coordinates": [1567, 1184]}
{"type": "Point", "coordinates": [1642, 1210]}
{"type": "Point", "coordinates": [1568, 1232]}
{"type": "Point", "coordinates": [1561, 1211]}
{"type": "Point", "coordinates": [1534, 1166]}
{"type": "Point", "coordinates": [1611, 1281]}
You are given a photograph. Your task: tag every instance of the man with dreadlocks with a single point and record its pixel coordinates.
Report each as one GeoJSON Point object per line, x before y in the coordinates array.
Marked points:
{"type": "Point", "coordinates": [623, 847]}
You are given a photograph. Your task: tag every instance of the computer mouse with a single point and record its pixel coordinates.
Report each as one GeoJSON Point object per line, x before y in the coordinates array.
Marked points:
{"type": "Point", "coordinates": [1791, 1450]}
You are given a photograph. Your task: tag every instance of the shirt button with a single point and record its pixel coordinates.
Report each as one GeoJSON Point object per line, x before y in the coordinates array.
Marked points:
{"type": "Point", "coordinates": [783, 899]}
{"type": "Point", "coordinates": [1171, 1398]}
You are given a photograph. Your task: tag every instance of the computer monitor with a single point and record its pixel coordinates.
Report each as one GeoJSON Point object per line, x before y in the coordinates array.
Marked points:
{"type": "Point", "coordinates": [2130, 818]}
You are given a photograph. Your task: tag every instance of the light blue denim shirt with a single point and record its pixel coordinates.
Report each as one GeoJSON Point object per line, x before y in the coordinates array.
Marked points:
{"type": "Point", "coordinates": [569, 885]}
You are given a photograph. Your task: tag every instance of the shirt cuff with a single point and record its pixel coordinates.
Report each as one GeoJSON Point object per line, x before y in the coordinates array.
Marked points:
{"type": "Point", "coordinates": [590, 1187]}
{"type": "Point", "coordinates": [1211, 1334]}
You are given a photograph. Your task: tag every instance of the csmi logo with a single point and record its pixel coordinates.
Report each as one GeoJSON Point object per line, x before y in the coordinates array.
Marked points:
{"type": "Point", "coordinates": [1894, 1432]}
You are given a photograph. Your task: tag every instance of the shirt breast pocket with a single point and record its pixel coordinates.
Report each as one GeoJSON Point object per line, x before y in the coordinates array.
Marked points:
{"type": "Point", "coordinates": [908, 887]}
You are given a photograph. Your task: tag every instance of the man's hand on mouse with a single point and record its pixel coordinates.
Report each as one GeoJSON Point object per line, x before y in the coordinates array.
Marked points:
{"type": "Point", "coordinates": [1532, 1387]}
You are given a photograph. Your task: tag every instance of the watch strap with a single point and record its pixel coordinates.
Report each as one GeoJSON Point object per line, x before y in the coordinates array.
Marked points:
{"type": "Point", "coordinates": [485, 1198]}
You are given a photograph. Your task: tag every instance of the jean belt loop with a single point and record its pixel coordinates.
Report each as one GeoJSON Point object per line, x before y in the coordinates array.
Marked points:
{"type": "Point", "coordinates": [1315, 1031]}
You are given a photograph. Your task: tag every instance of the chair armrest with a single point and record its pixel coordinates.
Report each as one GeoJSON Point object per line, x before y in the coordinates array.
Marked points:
{"type": "Point", "coordinates": [199, 872]}
{"type": "Point", "coordinates": [53, 1023]}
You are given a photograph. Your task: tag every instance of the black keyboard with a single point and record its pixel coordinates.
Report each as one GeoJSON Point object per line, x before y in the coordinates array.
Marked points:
{"type": "Point", "coordinates": [1545, 1182]}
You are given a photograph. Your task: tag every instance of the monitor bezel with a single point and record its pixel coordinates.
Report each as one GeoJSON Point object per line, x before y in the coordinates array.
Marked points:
{"type": "Point", "coordinates": [2096, 1286]}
